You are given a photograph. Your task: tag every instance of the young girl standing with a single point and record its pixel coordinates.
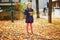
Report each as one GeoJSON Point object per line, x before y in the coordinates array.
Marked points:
{"type": "Point", "coordinates": [29, 17]}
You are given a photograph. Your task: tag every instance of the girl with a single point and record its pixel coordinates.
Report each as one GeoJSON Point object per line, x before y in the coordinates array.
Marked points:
{"type": "Point", "coordinates": [29, 17]}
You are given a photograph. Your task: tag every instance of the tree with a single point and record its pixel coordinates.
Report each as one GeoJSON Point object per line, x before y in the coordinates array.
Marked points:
{"type": "Point", "coordinates": [50, 12]}
{"type": "Point", "coordinates": [37, 8]}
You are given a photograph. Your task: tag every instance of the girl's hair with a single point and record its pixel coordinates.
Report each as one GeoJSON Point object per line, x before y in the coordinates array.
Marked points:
{"type": "Point", "coordinates": [28, 4]}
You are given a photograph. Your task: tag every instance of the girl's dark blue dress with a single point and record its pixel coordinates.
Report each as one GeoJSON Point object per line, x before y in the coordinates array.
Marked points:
{"type": "Point", "coordinates": [29, 19]}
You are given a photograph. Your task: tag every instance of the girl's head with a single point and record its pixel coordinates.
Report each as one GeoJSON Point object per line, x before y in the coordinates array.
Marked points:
{"type": "Point", "coordinates": [29, 5]}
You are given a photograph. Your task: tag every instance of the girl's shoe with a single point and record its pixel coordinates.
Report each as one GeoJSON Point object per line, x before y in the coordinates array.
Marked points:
{"type": "Point", "coordinates": [31, 33]}
{"type": "Point", "coordinates": [27, 33]}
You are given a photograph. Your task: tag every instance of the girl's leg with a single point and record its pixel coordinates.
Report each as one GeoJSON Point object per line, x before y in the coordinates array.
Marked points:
{"type": "Point", "coordinates": [27, 27]}
{"type": "Point", "coordinates": [31, 27]}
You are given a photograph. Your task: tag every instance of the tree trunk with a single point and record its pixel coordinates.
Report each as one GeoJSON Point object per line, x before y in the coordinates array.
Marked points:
{"type": "Point", "coordinates": [37, 8]}
{"type": "Point", "coordinates": [50, 12]}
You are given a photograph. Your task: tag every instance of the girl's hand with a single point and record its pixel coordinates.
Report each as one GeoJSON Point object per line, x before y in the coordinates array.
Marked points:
{"type": "Point", "coordinates": [30, 12]}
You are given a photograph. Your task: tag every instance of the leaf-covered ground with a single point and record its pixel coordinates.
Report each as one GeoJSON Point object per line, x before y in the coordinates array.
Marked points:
{"type": "Point", "coordinates": [41, 28]}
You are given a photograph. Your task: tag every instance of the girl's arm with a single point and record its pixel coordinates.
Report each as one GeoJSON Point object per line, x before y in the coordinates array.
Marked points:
{"type": "Point", "coordinates": [32, 12]}
{"type": "Point", "coordinates": [25, 12]}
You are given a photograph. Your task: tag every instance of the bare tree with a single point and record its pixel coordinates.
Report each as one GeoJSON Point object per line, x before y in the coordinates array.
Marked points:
{"type": "Point", "coordinates": [37, 8]}
{"type": "Point", "coordinates": [50, 12]}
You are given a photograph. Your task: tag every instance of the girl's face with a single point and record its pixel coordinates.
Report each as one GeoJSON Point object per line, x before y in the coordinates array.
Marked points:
{"type": "Point", "coordinates": [29, 6]}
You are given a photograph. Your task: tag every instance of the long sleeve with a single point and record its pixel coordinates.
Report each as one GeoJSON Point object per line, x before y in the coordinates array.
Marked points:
{"type": "Point", "coordinates": [25, 12]}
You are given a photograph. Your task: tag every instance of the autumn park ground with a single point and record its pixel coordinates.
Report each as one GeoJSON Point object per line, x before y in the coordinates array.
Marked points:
{"type": "Point", "coordinates": [42, 30]}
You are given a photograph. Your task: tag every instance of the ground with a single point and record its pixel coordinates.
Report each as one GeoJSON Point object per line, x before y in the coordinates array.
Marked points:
{"type": "Point", "coordinates": [42, 30]}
